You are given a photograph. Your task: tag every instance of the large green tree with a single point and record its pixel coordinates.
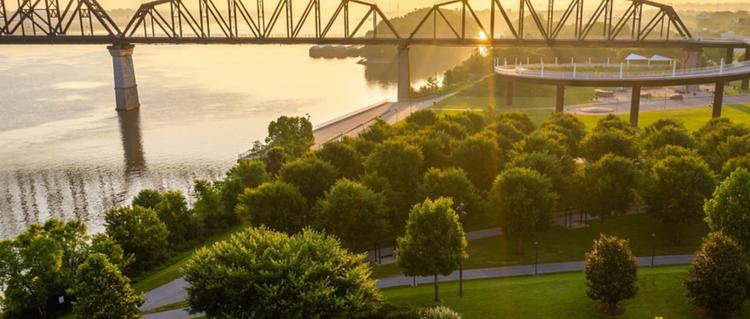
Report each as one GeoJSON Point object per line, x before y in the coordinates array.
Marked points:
{"type": "Point", "coordinates": [434, 243]}
{"type": "Point", "coordinates": [479, 157]}
{"type": "Point", "coordinates": [402, 165]}
{"type": "Point", "coordinates": [312, 176]}
{"type": "Point", "coordinates": [610, 186]}
{"type": "Point", "coordinates": [355, 214]}
{"type": "Point", "coordinates": [183, 225]}
{"type": "Point", "coordinates": [139, 232]}
{"type": "Point", "coordinates": [344, 157]}
{"type": "Point", "coordinates": [246, 174]}
{"type": "Point", "coordinates": [277, 205]}
{"type": "Point", "coordinates": [677, 189]}
{"type": "Point", "coordinates": [147, 198]}
{"type": "Point", "coordinates": [729, 209]}
{"type": "Point", "coordinates": [655, 139]}
{"type": "Point", "coordinates": [523, 200]}
{"type": "Point", "coordinates": [719, 278]}
{"type": "Point", "coordinates": [453, 183]}
{"type": "Point", "coordinates": [259, 273]}
{"type": "Point", "coordinates": [611, 273]}
{"type": "Point", "coordinates": [709, 137]}
{"type": "Point", "coordinates": [208, 206]}
{"type": "Point", "coordinates": [103, 292]}
{"type": "Point", "coordinates": [293, 133]}
{"type": "Point", "coordinates": [609, 141]}
{"type": "Point", "coordinates": [38, 266]}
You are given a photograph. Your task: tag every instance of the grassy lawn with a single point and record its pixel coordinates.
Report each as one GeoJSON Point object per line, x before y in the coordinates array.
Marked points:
{"type": "Point", "coordinates": [171, 269]}
{"type": "Point", "coordinates": [693, 118]}
{"type": "Point", "coordinates": [661, 294]}
{"type": "Point", "coordinates": [560, 244]}
{"type": "Point", "coordinates": [573, 95]}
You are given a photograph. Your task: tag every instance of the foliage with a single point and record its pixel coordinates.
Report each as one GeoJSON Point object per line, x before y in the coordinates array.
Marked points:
{"type": "Point", "coordinates": [246, 174]}
{"type": "Point", "coordinates": [436, 149]}
{"type": "Point", "coordinates": [312, 176]}
{"type": "Point", "coordinates": [735, 163]}
{"type": "Point", "coordinates": [353, 213]}
{"type": "Point", "coordinates": [611, 122]}
{"type": "Point", "coordinates": [274, 159]}
{"type": "Point", "coordinates": [671, 150]}
{"type": "Point", "coordinates": [719, 279]}
{"type": "Point", "coordinates": [560, 171]}
{"type": "Point", "coordinates": [182, 224]}
{"type": "Point", "coordinates": [439, 312]}
{"type": "Point", "coordinates": [610, 185]}
{"type": "Point", "coordinates": [38, 266]}
{"type": "Point", "coordinates": [729, 209]}
{"type": "Point", "coordinates": [545, 141]}
{"type": "Point", "coordinates": [147, 198]}
{"type": "Point", "coordinates": [521, 119]}
{"type": "Point", "coordinates": [479, 157]}
{"type": "Point", "coordinates": [710, 136]}
{"type": "Point", "coordinates": [422, 118]}
{"type": "Point", "coordinates": [571, 123]}
{"type": "Point", "coordinates": [139, 232]}
{"type": "Point", "coordinates": [208, 207]}
{"type": "Point", "coordinates": [277, 205]}
{"type": "Point", "coordinates": [103, 292]}
{"type": "Point", "coordinates": [344, 157]}
{"type": "Point", "coordinates": [402, 165]}
{"type": "Point", "coordinates": [523, 201]}
{"type": "Point", "coordinates": [260, 273]}
{"type": "Point", "coordinates": [378, 132]}
{"type": "Point", "coordinates": [103, 244]}
{"type": "Point", "coordinates": [292, 133]}
{"type": "Point", "coordinates": [434, 242]}
{"type": "Point", "coordinates": [453, 183]}
{"type": "Point", "coordinates": [677, 188]}
{"type": "Point", "coordinates": [669, 135]}
{"type": "Point", "coordinates": [608, 141]}
{"type": "Point", "coordinates": [611, 272]}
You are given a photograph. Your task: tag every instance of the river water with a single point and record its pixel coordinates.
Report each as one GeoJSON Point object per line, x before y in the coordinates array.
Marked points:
{"type": "Point", "coordinates": [65, 152]}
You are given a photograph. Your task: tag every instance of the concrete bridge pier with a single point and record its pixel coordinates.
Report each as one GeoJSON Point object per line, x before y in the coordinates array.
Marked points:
{"type": "Point", "coordinates": [746, 82]}
{"type": "Point", "coordinates": [126, 89]}
{"type": "Point", "coordinates": [635, 105]}
{"type": "Point", "coordinates": [718, 99]}
{"type": "Point", "coordinates": [404, 77]}
{"type": "Point", "coordinates": [691, 60]}
{"type": "Point", "coordinates": [729, 59]}
{"type": "Point", "coordinates": [560, 99]}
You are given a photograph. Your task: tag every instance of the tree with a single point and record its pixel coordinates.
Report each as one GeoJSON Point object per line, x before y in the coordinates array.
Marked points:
{"type": "Point", "coordinates": [729, 209]}
{"type": "Point", "coordinates": [292, 133]}
{"type": "Point", "coordinates": [434, 242]}
{"type": "Point", "coordinates": [521, 119]}
{"type": "Point", "coordinates": [523, 201]}
{"type": "Point", "coordinates": [612, 121]}
{"type": "Point", "coordinates": [147, 198]}
{"type": "Point", "coordinates": [655, 139]}
{"type": "Point", "coordinates": [402, 165]}
{"type": "Point", "coordinates": [718, 279]}
{"type": "Point", "coordinates": [208, 207]}
{"type": "Point", "coordinates": [677, 189]}
{"type": "Point", "coordinates": [611, 273]}
{"type": "Point", "coordinates": [545, 141]}
{"type": "Point", "coordinates": [182, 224]}
{"type": "Point", "coordinates": [277, 205]}
{"type": "Point", "coordinates": [453, 183]}
{"type": "Point", "coordinates": [312, 176]}
{"type": "Point", "coordinates": [246, 174]}
{"type": "Point", "coordinates": [710, 136]}
{"type": "Point", "coordinates": [560, 171]}
{"type": "Point", "coordinates": [139, 232]}
{"type": "Point", "coordinates": [38, 266]}
{"type": "Point", "coordinates": [344, 157]}
{"type": "Point", "coordinates": [275, 158]}
{"type": "Point", "coordinates": [571, 123]}
{"type": "Point", "coordinates": [259, 273]}
{"type": "Point", "coordinates": [422, 118]}
{"type": "Point", "coordinates": [353, 213]}
{"type": "Point", "coordinates": [479, 157]}
{"type": "Point", "coordinates": [103, 244]}
{"type": "Point", "coordinates": [611, 183]}
{"type": "Point", "coordinates": [735, 163]}
{"type": "Point", "coordinates": [103, 292]}
{"type": "Point", "coordinates": [602, 142]}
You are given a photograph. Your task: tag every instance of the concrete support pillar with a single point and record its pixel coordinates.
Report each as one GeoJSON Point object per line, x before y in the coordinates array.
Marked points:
{"type": "Point", "coordinates": [718, 99]}
{"type": "Point", "coordinates": [126, 89]}
{"type": "Point", "coordinates": [404, 77]}
{"type": "Point", "coordinates": [509, 93]}
{"type": "Point", "coordinates": [560, 100]}
{"type": "Point", "coordinates": [746, 82]}
{"type": "Point", "coordinates": [635, 105]}
{"type": "Point", "coordinates": [691, 60]}
{"type": "Point", "coordinates": [729, 59]}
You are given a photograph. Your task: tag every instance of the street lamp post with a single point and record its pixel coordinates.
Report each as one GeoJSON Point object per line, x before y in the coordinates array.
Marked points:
{"type": "Point", "coordinates": [536, 258]}
{"type": "Point", "coordinates": [461, 213]}
{"type": "Point", "coordinates": [653, 248]}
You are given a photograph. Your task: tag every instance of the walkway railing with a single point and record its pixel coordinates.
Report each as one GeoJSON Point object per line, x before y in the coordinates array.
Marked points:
{"type": "Point", "coordinates": [539, 71]}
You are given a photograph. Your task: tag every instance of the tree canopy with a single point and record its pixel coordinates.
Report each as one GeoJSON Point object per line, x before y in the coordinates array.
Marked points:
{"type": "Point", "coordinates": [140, 233]}
{"type": "Point", "coordinates": [277, 205]}
{"type": "Point", "coordinates": [678, 187]}
{"type": "Point", "coordinates": [103, 292]}
{"type": "Point", "coordinates": [610, 184]}
{"type": "Point", "coordinates": [312, 176]}
{"type": "Point", "coordinates": [729, 209]}
{"type": "Point", "coordinates": [611, 272]}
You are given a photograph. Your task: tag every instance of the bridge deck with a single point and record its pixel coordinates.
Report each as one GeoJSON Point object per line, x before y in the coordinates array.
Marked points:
{"type": "Point", "coordinates": [537, 74]}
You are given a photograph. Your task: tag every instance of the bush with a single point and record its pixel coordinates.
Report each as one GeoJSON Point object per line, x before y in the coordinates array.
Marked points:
{"type": "Point", "coordinates": [439, 312]}
{"type": "Point", "coordinates": [611, 273]}
{"type": "Point", "coordinates": [719, 277]}
{"type": "Point", "coordinates": [259, 273]}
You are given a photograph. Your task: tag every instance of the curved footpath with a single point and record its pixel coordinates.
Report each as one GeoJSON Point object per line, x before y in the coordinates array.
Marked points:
{"type": "Point", "coordinates": [469, 274]}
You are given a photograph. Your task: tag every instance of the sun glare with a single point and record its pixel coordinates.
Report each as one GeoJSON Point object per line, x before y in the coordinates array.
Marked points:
{"type": "Point", "coordinates": [482, 35]}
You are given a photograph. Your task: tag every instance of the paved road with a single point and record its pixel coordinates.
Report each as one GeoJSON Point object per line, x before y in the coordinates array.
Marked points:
{"type": "Point", "coordinates": [172, 292]}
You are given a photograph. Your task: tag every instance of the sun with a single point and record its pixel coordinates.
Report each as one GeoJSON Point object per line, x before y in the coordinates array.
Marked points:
{"type": "Point", "coordinates": [482, 35]}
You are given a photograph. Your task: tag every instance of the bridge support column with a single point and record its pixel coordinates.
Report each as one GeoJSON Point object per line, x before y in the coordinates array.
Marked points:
{"type": "Point", "coordinates": [404, 77]}
{"type": "Point", "coordinates": [729, 59]}
{"type": "Point", "coordinates": [746, 82]}
{"type": "Point", "coordinates": [509, 93]}
{"type": "Point", "coordinates": [126, 89]}
{"type": "Point", "coordinates": [718, 99]}
{"type": "Point", "coordinates": [691, 60]}
{"type": "Point", "coordinates": [560, 100]}
{"type": "Point", "coordinates": [635, 105]}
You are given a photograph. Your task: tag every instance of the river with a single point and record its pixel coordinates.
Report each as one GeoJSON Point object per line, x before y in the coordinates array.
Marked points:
{"type": "Point", "coordinates": [65, 152]}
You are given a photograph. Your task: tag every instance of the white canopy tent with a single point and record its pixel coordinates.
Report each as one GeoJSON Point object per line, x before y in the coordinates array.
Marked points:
{"type": "Point", "coordinates": [635, 58]}
{"type": "Point", "coordinates": [660, 58]}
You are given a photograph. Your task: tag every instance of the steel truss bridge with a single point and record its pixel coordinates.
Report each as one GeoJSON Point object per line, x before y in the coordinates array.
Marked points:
{"type": "Point", "coordinates": [643, 23]}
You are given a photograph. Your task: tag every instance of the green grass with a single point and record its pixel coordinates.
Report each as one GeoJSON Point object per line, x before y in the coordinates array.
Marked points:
{"type": "Point", "coordinates": [573, 95]}
{"type": "Point", "coordinates": [694, 118]}
{"type": "Point", "coordinates": [171, 269]}
{"type": "Point", "coordinates": [177, 305]}
{"type": "Point", "coordinates": [660, 294]}
{"type": "Point", "coordinates": [560, 244]}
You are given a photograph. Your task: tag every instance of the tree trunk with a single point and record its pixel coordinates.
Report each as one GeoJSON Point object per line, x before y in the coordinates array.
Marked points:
{"type": "Point", "coordinates": [436, 299]}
